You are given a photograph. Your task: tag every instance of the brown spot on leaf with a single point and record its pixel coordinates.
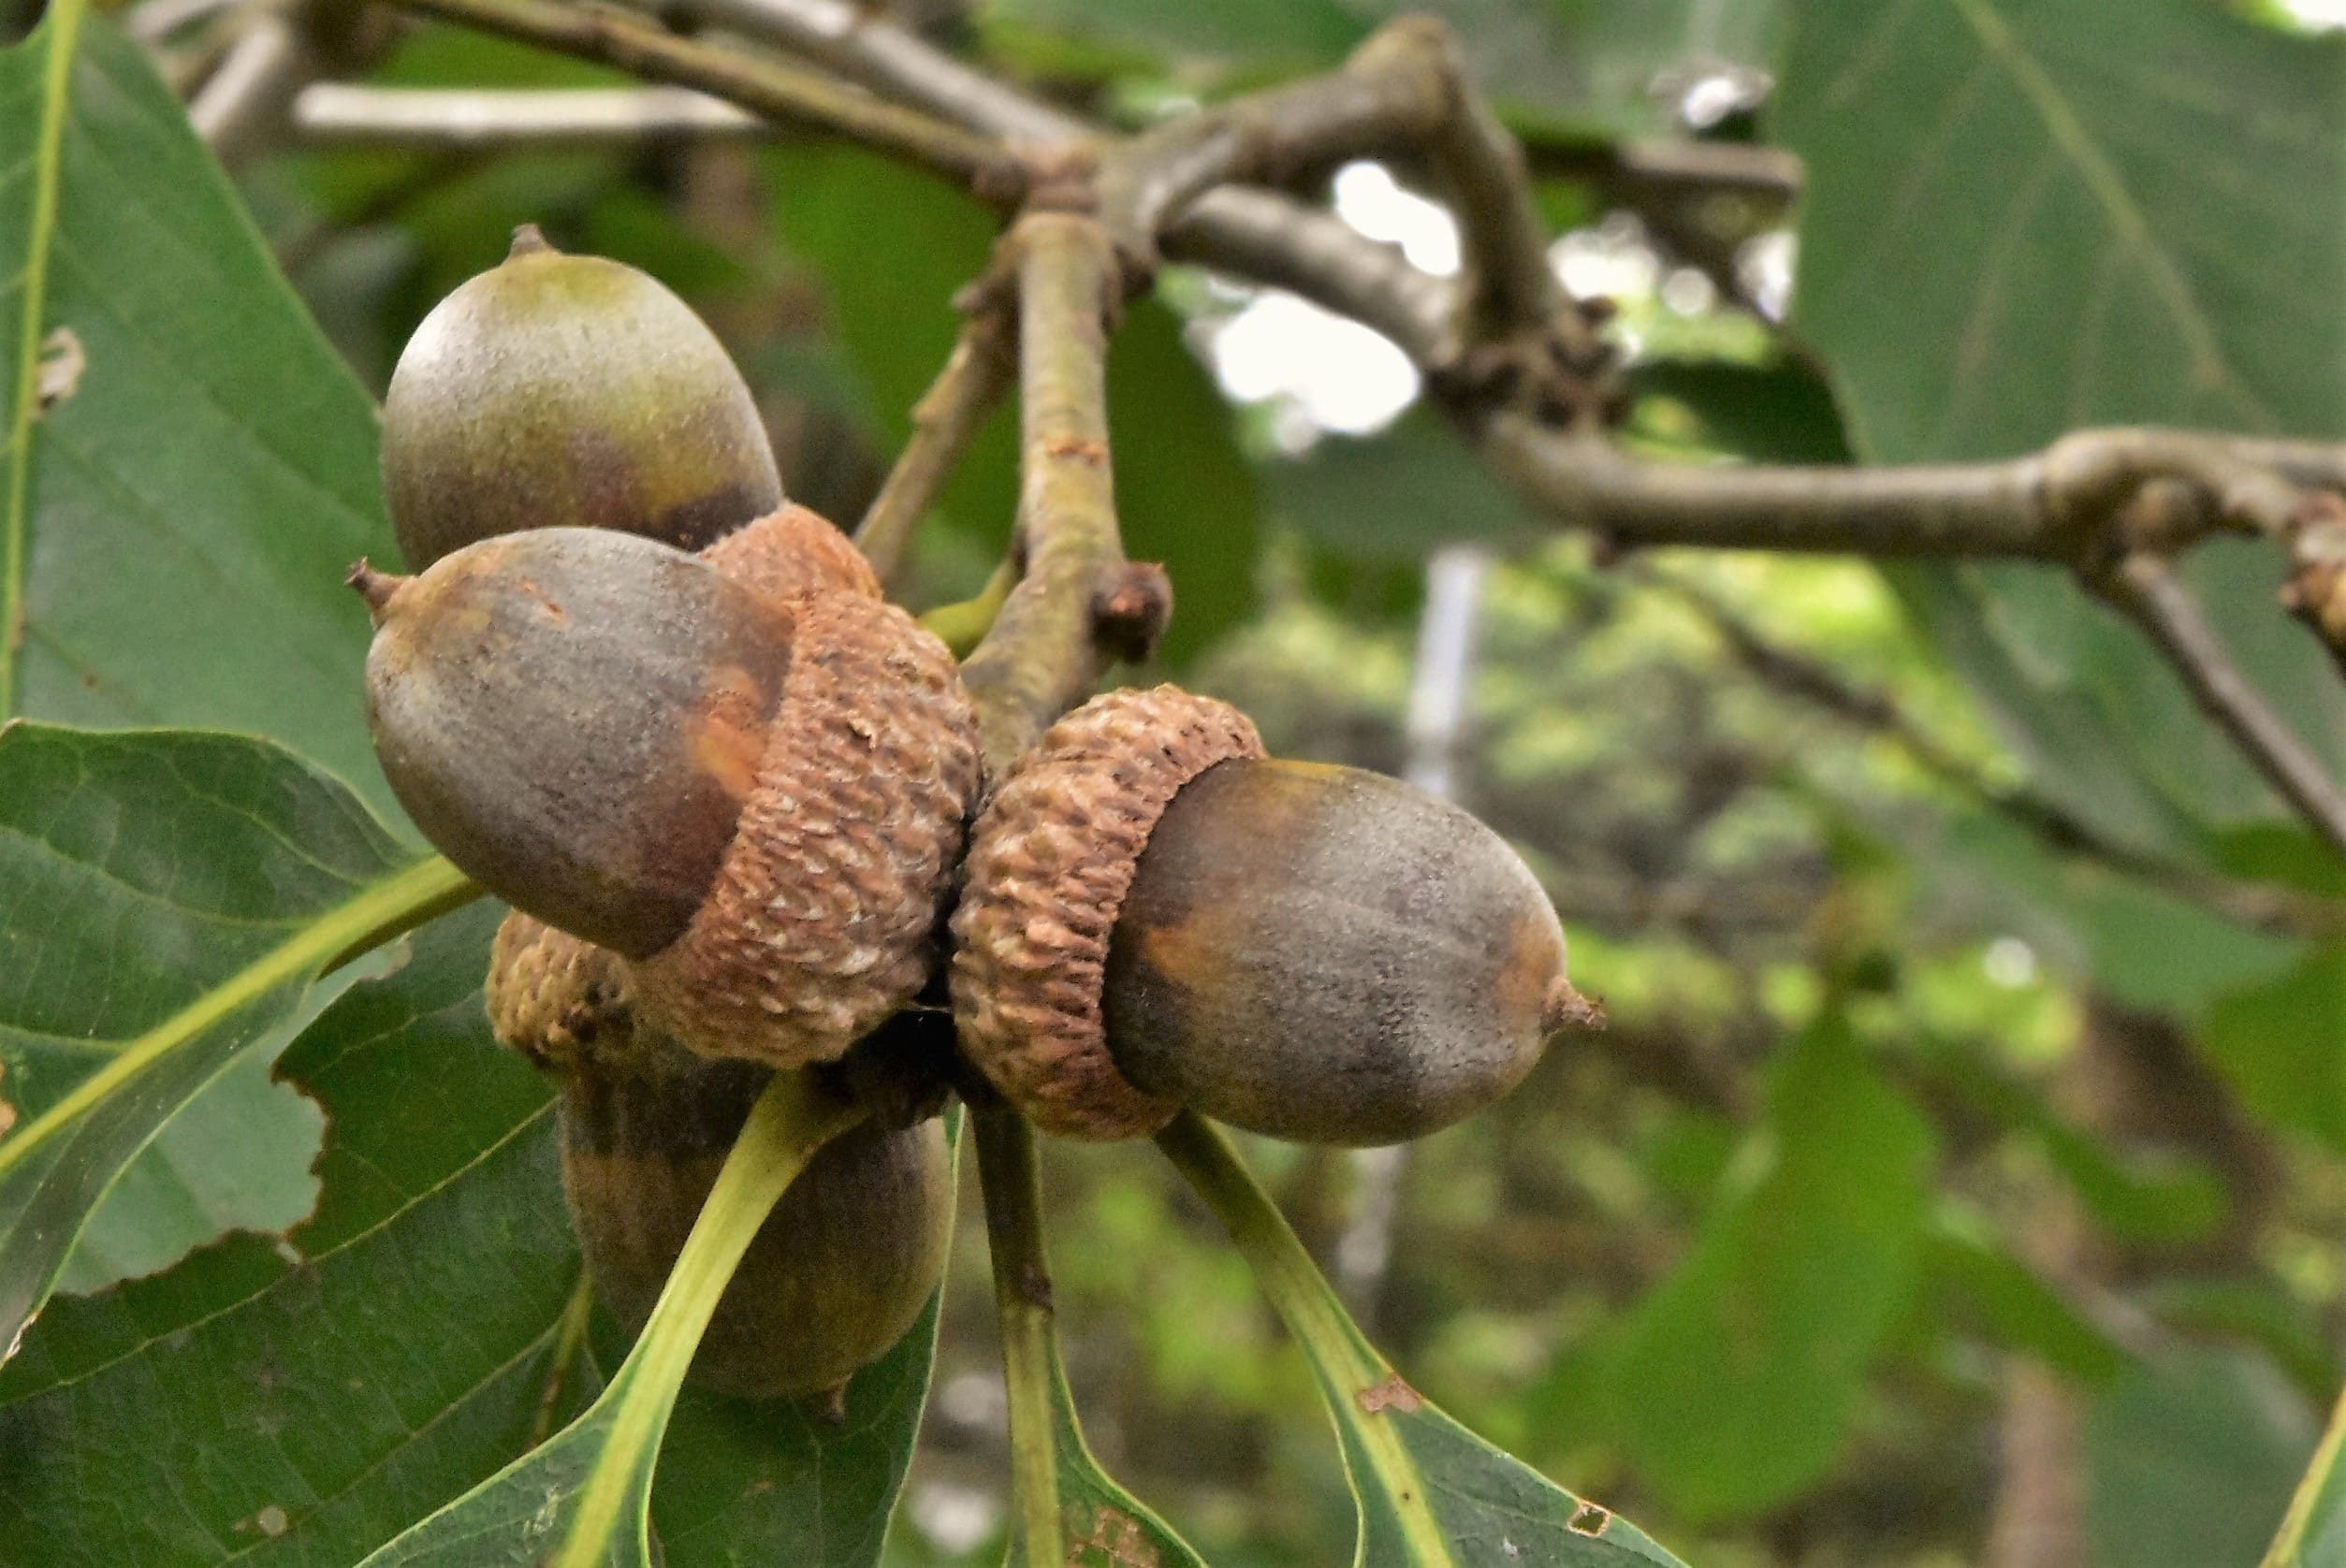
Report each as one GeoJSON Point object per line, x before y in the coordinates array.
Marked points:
{"type": "Point", "coordinates": [1116, 1541]}
{"type": "Point", "coordinates": [59, 374]}
{"type": "Point", "coordinates": [1590, 1519]}
{"type": "Point", "coordinates": [271, 1521]}
{"type": "Point", "coordinates": [7, 1112]}
{"type": "Point", "coordinates": [1391, 1394]}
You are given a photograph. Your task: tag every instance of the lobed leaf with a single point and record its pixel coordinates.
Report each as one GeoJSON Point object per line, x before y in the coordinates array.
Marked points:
{"type": "Point", "coordinates": [304, 1400]}
{"type": "Point", "coordinates": [300, 1399]}
{"type": "Point", "coordinates": [168, 902]}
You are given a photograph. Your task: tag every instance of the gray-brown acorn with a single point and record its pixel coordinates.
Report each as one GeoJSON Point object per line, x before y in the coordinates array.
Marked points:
{"type": "Point", "coordinates": [755, 802]}
{"type": "Point", "coordinates": [1156, 916]}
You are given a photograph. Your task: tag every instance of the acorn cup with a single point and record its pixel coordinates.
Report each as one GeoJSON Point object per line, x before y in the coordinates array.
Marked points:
{"type": "Point", "coordinates": [574, 389]}
{"type": "Point", "coordinates": [1154, 915]}
{"type": "Point", "coordinates": [755, 802]}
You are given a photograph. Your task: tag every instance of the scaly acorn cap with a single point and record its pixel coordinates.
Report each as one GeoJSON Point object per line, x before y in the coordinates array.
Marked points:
{"type": "Point", "coordinates": [561, 1003]}
{"type": "Point", "coordinates": [834, 1278]}
{"type": "Point", "coordinates": [792, 553]}
{"type": "Point", "coordinates": [822, 919]}
{"type": "Point", "coordinates": [575, 390]}
{"type": "Point", "coordinates": [1049, 864]}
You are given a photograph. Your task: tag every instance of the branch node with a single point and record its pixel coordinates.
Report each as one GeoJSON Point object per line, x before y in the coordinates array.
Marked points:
{"type": "Point", "coordinates": [1060, 176]}
{"type": "Point", "coordinates": [1130, 610]}
{"type": "Point", "coordinates": [2315, 591]}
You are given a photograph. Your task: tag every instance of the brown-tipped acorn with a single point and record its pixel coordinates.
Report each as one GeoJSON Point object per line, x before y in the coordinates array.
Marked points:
{"type": "Point", "coordinates": [756, 802]}
{"type": "Point", "coordinates": [834, 1278]}
{"type": "Point", "coordinates": [574, 389]}
{"type": "Point", "coordinates": [1158, 916]}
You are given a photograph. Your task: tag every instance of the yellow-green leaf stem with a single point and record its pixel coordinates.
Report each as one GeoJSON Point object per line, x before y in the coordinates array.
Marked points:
{"type": "Point", "coordinates": [791, 1120]}
{"type": "Point", "coordinates": [1353, 1379]}
{"type": "Point", "coordinates": [60, 30]}
{"type": "Point", "coordinates": [570, 1339]}
{"type": "Point", "coordinates": [1030, 1355]}
{"type": "Point", "coordinates": [1064, 1508]}
{"type": "Point", "coordinates": [424, 890]}
{"type": "Point", "coordinates": [962, 625]}
{"type": "Point", "coordinates": [2321, 1480]}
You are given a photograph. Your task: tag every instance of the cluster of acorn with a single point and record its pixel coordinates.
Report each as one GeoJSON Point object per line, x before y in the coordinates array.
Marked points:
{"type": "Point", "coordinates": [729, 791]}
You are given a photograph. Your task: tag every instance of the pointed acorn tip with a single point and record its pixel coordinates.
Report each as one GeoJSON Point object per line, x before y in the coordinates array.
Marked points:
{"type": "Point", "coordinates": [1566, 1007]}
{"type": "Point", "coordinates": [376, 588]}
{"type": "Point", "coordinates": [527, 241]}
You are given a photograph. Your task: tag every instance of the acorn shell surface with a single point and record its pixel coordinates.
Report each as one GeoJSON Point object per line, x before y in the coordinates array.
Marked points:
{"type": "Point", "coordinates": [822, 916]}
{"type": "Point", "coordinates": [575, 717]}
{"type": "Point", "coordinates": [1049, 863]}
{"type": "Point", "coordinates": [1331, 956]}
{"type": "Point", "coordinates": [570, 390]}
{"type": "Point", "coordinates": [835, 1277]}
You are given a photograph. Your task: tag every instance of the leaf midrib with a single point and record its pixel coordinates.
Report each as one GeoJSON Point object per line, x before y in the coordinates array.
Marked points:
{"type": "Point", "coordinates": [63, 24]}
{"type": "Point", "coordinates": [2127, 220]}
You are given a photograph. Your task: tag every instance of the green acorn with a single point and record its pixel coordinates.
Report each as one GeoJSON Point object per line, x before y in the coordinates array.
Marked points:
{"type": "Point", "coordinates": [572, 390]}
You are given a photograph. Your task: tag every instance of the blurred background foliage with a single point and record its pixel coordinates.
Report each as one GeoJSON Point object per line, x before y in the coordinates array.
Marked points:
{"type": "Point", "coordinates": [1968, 1134]}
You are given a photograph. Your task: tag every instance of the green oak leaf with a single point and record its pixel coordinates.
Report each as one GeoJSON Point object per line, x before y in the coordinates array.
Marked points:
{"type": "Point", "coordinates": [2021, 218]}
{"type": "Point", "coordinates": [585, 1496]}
{"type": "Point", "coordinates": [305, 1399]}
{"type": "Point", "coordinates": [1105, 1525]}
{"type": "Point", "coordinates": [189, 469]}
{"type": "Point", "coordinates": [1431, 1494]}
{"type": "Point", "coordinates": [168, 902]}
{"type": "Point", "coordinates": [301, 1399]}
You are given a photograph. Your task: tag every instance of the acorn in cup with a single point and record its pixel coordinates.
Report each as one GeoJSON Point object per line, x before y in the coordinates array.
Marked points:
{"type": "Point", "coordinates": [571, 389]}
{"type": "Point", "coordinates": [757, 803]}
{"type": "Point", "coordinates": [837, 1272]}
{"type": "Point", "coordinates": [1156, 915]}
{"type": "Point", "coordinates": [725, 792]}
